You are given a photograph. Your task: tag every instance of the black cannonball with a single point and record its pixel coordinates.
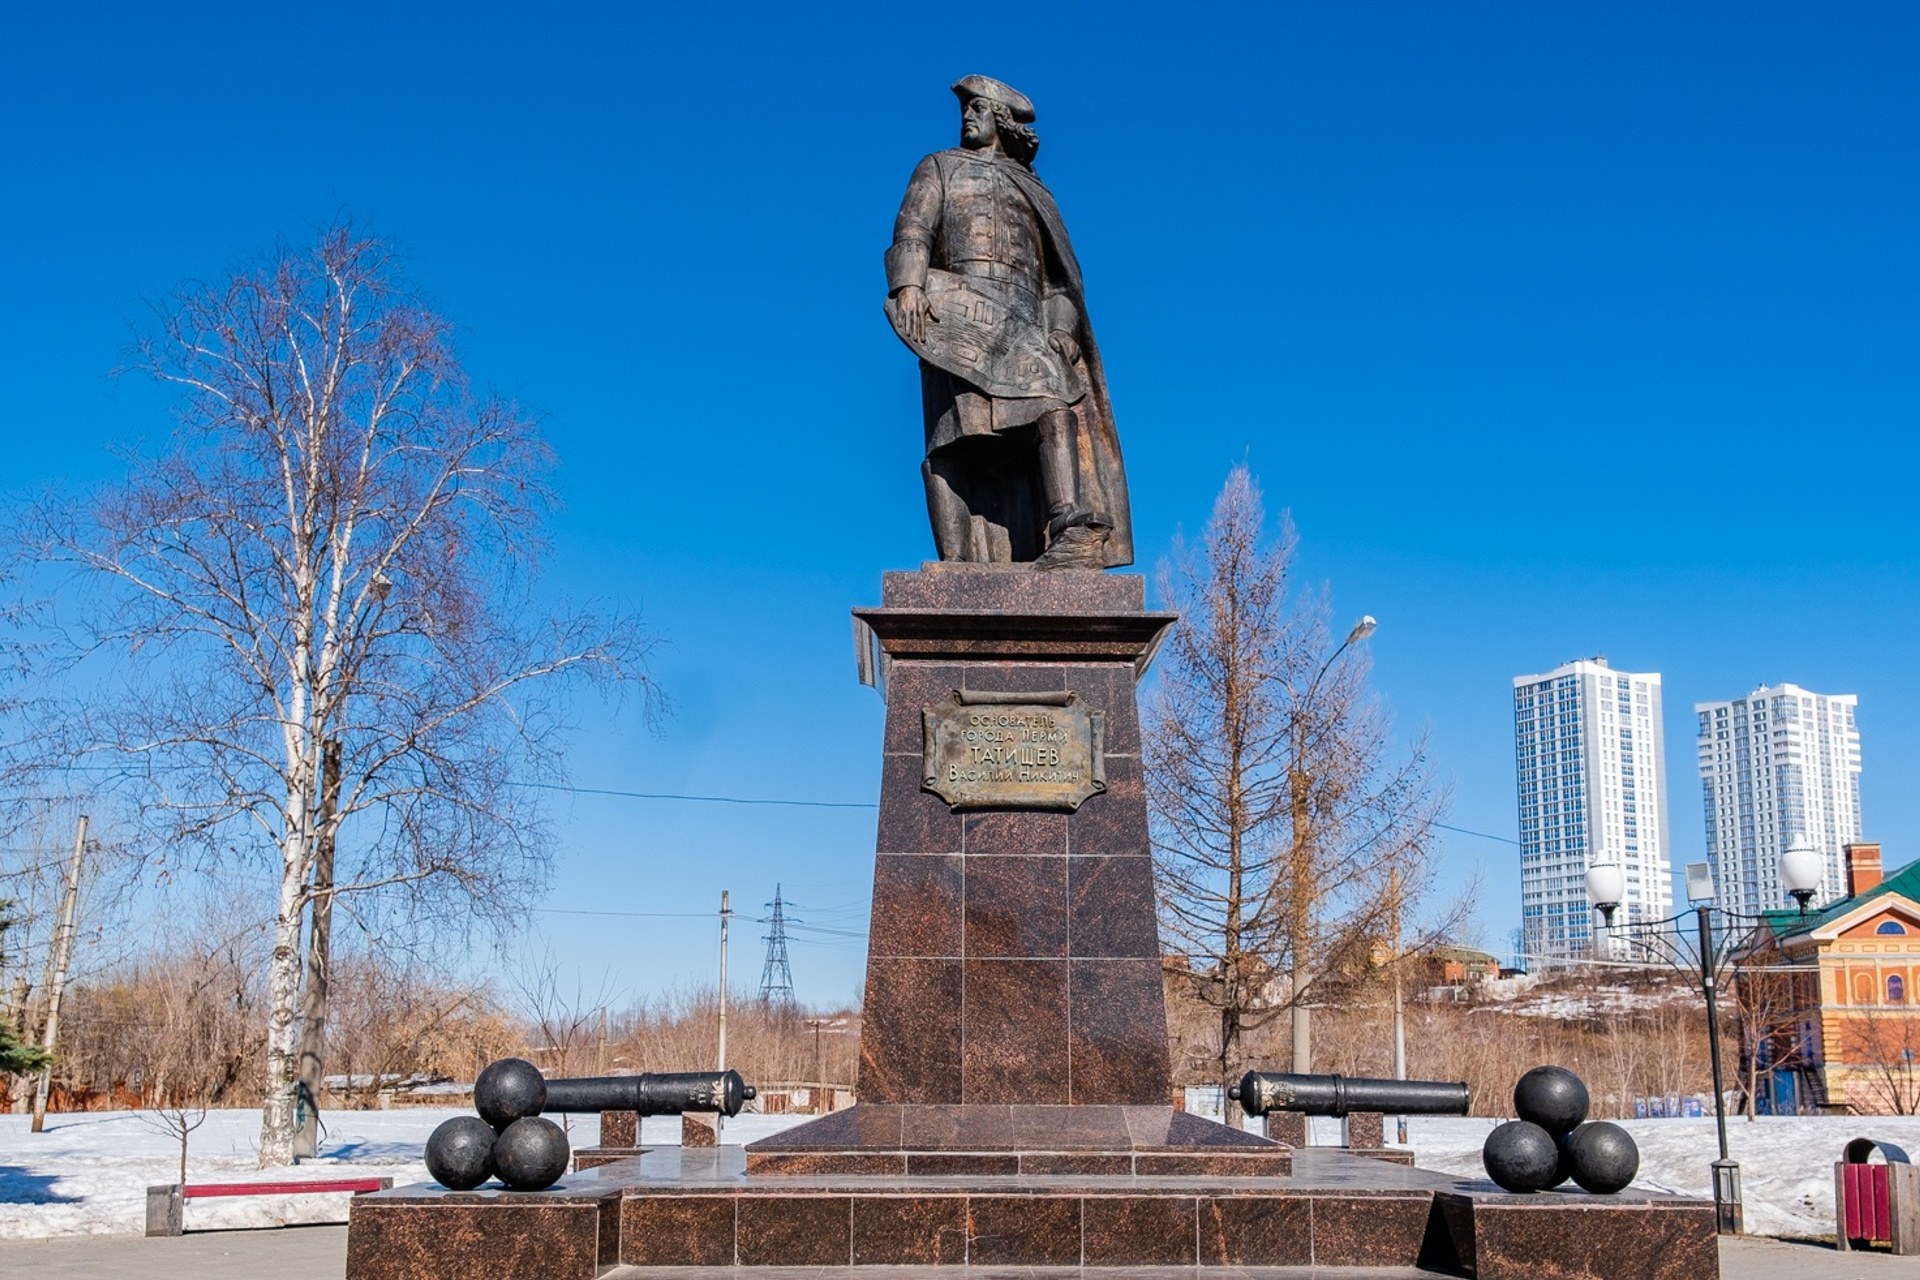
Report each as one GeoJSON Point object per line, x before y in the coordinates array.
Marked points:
{"type": "Point", "coordinates": [530, 1154]}
{"type": "Point", "coordinates": [1603, 1156]}
{"type": "Point", "coordinates": [1521, 1156]}
{"type": "Point", "coordinates": [1564, 1173]}
{"type": "Point", "coordinates": [460, 1153]}
{"type": "Point", "coordinates": [1553, 1098]}
{"type": "Point", "coordinates": [507, 1090]}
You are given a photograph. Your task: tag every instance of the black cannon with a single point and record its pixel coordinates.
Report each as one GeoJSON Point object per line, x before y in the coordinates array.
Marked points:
{"type": "Point", "coordinates": [1260, 1092]}
{"type": "Point", "coordinates": [659, 1093]}
{"type": "Point", "coordinates": [514, 1087]}
{"type": "Point", "coordinates": [512, 1139]}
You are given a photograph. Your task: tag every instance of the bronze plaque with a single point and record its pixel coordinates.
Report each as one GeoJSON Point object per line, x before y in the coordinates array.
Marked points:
{"type": "Point", "coordinates": [1013, 751]}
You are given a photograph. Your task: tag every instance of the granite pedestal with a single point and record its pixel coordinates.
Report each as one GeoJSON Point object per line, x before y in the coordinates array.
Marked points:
{"type": "Point", "coordinates": [1015, 1017]}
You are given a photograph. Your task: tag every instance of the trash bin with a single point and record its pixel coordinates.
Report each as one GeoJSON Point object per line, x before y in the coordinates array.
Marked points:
{"type": "Point", "coordinates": [1876, 1203]}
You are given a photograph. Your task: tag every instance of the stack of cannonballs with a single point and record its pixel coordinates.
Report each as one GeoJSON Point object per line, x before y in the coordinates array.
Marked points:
{"type": "Point", "coordinates": [1553, 1141]}
{"type": "Point", "coordinates": [509, 1139]}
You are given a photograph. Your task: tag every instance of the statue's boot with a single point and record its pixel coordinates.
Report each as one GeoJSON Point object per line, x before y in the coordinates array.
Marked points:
{"type": "Point", "coordinates": [1076, 539]}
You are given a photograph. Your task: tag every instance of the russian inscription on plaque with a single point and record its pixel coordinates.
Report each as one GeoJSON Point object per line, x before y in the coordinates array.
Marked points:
{"type": "Point", "coordinates": [1013, 751]}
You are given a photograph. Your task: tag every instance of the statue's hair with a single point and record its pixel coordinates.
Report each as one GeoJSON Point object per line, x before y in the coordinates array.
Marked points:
{"type": "Point", "coordinates": [1020, 140]}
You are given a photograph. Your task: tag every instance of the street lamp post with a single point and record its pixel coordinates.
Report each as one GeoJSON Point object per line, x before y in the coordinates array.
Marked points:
{"type": "Point", "coordinates": [1299, 872]}
{"type": "Point", "coordinates": [1606, 885]}
{"type": "Point", "coordinates": [1726, 1172]}
{"type": "Point", "coordinates": [1399, 1002]}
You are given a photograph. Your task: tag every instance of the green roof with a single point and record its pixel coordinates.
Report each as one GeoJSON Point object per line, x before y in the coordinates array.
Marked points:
{"type": "Point", "coordinates": [1787, 924]}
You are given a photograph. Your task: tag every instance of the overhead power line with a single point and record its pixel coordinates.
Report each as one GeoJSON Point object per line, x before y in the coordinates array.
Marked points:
{"type": "Point", "coordinates": [788, 802]}
{"type": "Point", "coordinates": [1484, 835]}
{"type": "Point", "coordinates": [121, 773]}
{"type": "Point", "coordinates": [666, 795]}
{"type": "Point", "coordinates": [824, 804]}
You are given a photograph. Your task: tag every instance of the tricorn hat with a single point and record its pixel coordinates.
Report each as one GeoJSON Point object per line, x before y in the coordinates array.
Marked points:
{"type": "Point", "coordinates": [967, 88]}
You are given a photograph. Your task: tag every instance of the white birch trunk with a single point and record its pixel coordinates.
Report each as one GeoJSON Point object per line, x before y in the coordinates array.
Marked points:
{"type": "Point", "coordinates": [283, 991]}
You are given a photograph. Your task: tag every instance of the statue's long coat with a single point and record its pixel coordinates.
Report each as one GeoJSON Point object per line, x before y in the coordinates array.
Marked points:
{"type": "Point", "coordinates": [1100, 472]}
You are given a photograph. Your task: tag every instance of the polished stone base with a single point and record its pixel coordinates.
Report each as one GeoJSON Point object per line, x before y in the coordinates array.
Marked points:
{"type": "Point", "coordinates": [586, 1158]}
{"type": "Point", "coordinates": [1025, 1273]}
{"type": "Point", "coordinates": [1002, 1141]}
{"type": "Point", "coordinates": [695, 1210]}
{"type": "Point", "coordinates": [1366, 1135]}
{"type": "Point", "coordinates": [571, 1231]}
{"type": "Point", "coordinates": [675, 1208]}
{"type": "Point", "coordinates": [1392, 1155]}
{"type": "Point", "coordinates": [1559, 1236]}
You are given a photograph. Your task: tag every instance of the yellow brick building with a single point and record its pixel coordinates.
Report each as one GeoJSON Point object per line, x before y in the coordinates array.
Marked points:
{"type": "Point", "coordinates": [1827, 1000]}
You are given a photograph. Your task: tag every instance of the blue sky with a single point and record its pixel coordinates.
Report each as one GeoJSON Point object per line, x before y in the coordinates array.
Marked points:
{"type": "Point", "coordinates": [1560, 330]}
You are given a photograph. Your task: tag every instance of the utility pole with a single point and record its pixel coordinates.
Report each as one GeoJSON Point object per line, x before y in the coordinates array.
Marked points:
{"type": "Point", "coordinates": [60, 958]}
{"type": "Point", "coordinates": [1399, 1006]}
{"type": "Point", "coordinates": [1301, 872]}
{"type": "Point", "coordinates": [313, 1000]}
{"type": "Point", "coordinates": [1300, 894]}
{"type": "Point", "coordinates": [726, 913]}
{"type": "Point", "coordinates": [819, 1071]}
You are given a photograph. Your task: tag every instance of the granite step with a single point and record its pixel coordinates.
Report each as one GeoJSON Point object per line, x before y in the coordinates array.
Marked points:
{"type": "Point", "coordinates": [671, 1210]}
{"type": "Point", "coordinates": [1023, 1273]}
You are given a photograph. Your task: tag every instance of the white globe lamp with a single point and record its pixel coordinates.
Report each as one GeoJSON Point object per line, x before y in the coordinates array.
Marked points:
{"type": "Point", "coordinates": [1606, 885]}
{"type": "Point", "coordinates": [1801, 867]}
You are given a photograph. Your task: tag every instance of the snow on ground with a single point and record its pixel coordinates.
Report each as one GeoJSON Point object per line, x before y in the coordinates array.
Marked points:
{"type": "Point", "coordinates": [1786, 1162]}
{"type": "Point", "coordinates": [89, 1172]}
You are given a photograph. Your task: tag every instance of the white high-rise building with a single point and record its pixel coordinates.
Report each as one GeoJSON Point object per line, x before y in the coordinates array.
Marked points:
{"type": "Point", "coordinates": [1778, 763]}
{"type": "Point", "coordinates": [1591, 772]}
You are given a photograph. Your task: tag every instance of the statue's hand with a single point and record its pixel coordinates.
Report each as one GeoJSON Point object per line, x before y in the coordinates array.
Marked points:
{"type": "Point", "coordinates": [911, 313]}
{"type": "Point", "coordinates": [1063, 342]}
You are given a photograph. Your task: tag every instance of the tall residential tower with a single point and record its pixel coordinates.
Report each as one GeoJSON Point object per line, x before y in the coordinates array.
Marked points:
{"type": "Point", "coordinates": [1778, 763]}
{"type": "Point", "coordinates": [1592, 781]}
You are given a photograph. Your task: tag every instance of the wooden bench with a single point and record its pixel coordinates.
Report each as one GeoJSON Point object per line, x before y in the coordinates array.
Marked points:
{"type": "Point", "coordinates": [167, 1205]}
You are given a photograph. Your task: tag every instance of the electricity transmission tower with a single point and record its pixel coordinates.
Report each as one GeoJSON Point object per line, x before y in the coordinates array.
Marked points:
{"type": "Point", "coordinates": [776, 977]}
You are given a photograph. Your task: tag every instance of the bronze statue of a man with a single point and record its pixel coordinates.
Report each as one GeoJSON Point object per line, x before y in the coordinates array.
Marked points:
{"type": "Point", "coordinates": [1023, 463]}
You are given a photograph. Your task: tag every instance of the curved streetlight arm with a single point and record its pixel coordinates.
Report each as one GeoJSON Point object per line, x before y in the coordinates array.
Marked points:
{"type": "Point", "coordinates": [1361, 631]}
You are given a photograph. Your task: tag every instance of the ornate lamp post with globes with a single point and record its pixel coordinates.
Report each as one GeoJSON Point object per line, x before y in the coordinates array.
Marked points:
{"type": "Point", "coordinates": [1800, 872]}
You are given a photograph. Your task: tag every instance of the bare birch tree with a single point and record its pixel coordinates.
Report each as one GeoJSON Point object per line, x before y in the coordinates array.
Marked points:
{"type": "Point", "coordinates": [333, 551]}
{"type": "Point", "coordinates": [1280, 808]}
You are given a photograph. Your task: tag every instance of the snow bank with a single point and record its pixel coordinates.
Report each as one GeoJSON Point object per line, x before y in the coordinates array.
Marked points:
{"type": "Point", "coordinates": [88, 1173]}
{"type": "Point", "coordinates": [1786, 1162]}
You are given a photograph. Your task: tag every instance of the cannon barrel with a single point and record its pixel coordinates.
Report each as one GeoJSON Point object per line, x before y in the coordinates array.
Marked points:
{"type": "Point", "coordinates": [1337, 1095]}
{"type": "Point", "coordinates": [659, 1093]}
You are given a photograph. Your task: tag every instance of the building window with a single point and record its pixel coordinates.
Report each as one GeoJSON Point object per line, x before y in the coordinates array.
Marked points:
{"type": "Point", "coordinates": [1891, 926]}
{"type": "Point", "coordinates": [1896, 989]}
